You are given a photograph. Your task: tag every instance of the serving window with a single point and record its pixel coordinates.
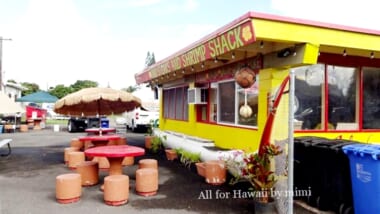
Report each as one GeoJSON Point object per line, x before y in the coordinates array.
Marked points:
{"type": "Point", "coordinates": [371, 98]}
{"type": "Point", "coordinates": [225, 99]}
{"type": "Point", "coordinates": [327, 98]}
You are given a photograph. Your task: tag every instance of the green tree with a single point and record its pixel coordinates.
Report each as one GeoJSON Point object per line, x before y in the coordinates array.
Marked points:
{"type": "Point", "coordinates": [130, 88]}
{"type": "Point", "coordinates": [60, 91]}
{"type": "Point", "coordinates": [12, 81]}
{"type": "Point", "coordinates": [80, 84]}
{"type": "Point", "coordinates": [150, 59]}
{"type": "Point", "coordinates": [31, 88]}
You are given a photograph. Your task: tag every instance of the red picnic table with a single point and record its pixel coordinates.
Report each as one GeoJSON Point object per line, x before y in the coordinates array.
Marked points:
{"type": "Point", "coordinates": [99, 140]}
{"type": "Point", "coordinates": [100, 131]}
{"type": "Point", "coordinates": [115, 155]}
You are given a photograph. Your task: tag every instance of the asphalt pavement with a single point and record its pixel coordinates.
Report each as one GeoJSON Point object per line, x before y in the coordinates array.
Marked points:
{"type": "Point", "coordinates": [27, 182]}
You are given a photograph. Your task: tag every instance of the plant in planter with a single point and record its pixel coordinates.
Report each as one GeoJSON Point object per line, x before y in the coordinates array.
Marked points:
{"type": "Point", "coordinates": [149, 137]}
{"type": "Point", "coordinates": [157, 143]}
{"type": "Point", "coordinates": [256, 169]}
{"type": "Point", "coordinates": [187, 158]}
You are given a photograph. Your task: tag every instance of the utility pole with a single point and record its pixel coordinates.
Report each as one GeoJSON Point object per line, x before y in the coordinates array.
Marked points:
{"type": "Point", "coordinates": [1, 60]}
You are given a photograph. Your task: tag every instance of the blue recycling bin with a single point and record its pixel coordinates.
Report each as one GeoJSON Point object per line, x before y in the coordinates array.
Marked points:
{"type": "Point", "coordinates": [104, 122]}
{"type": "Point", "coordinates": [365, 176]}
{"type": "Point", "coordinates": [1, 129]}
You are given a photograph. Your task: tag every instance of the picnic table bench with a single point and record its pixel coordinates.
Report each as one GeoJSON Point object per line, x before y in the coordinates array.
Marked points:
{"type": "Point", "coordinates": [3, 142]}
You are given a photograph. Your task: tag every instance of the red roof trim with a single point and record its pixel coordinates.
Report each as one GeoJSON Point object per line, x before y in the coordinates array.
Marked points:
{"type": "Point", "coordinates": [144, 75]}
{"type": "Point", "coordinates": [312, 23]}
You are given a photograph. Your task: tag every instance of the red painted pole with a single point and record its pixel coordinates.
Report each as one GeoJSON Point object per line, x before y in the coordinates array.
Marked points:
{"type": "Point", "coordinates": [265, 138]}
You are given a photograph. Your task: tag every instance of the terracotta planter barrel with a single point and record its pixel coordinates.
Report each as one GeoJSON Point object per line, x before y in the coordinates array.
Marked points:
{"type": "Point", "coordinates": [215, 172]}
{"type": "Point", "coordinates": [116, 190]}
{"type": "Point", "coordinates": [68, 188]}
{"type": "Point", "coordinates": [148, 142]}
{"type": "Point", "coordinates": [171, 154]}
{"type": "Point", "coordinates": [201, 170]}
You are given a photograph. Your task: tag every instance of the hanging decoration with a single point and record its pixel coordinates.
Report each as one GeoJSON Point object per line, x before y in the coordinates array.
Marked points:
{"type": "Point", "coordinates": [245, 110]}
{"type": "Point", "coordinates": [245, 77]}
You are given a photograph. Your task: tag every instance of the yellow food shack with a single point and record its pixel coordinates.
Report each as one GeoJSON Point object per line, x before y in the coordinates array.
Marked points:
{"type": "Point", "coordinates": [231, 86]}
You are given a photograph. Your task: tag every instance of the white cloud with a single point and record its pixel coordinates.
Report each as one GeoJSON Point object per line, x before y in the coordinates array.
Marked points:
{"type": "Point", "coordinates": [52, 44]}
{"type": "Point", "coordinates": [363, 13]}
{"type": "Point", "coordinates": [191, 5]}
{"type": "Point", "coordinates": [169, 7]}
{"type": "Point", "coordinates": [143, 3]}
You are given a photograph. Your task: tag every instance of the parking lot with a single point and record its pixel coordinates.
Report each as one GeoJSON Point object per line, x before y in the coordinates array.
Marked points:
{"type": "Point", "coordinates": [27, 182]}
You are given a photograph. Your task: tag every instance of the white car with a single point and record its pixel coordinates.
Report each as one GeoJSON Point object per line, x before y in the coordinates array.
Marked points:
{"type": "Point", "coordinates": [141, 119]}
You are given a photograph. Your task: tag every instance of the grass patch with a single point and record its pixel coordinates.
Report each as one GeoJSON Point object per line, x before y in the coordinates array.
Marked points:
{"type": "Point", "coordinates": [56, 122]}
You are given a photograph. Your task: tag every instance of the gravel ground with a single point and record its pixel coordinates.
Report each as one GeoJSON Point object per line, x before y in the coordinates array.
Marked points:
{"type": "Point", "coordinates": [27, 182]}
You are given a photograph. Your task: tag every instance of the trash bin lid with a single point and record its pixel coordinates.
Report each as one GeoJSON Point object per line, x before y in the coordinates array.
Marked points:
{"type": "Point", "coordinates": [363, 150]}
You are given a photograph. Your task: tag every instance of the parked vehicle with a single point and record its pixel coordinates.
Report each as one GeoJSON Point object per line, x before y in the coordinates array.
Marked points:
{"type": "Point", "coordinates": [80, 124]}
{"type": "Point", "coordinates": [141, 119]}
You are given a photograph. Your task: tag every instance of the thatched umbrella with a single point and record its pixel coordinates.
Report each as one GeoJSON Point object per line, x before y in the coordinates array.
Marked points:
{"type": "Point", "coordinates": [96, 102]}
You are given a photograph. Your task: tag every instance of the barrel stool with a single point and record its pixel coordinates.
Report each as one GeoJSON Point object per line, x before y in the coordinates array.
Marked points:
{"type": "Point", "coordinates": [128, 161]}
{"type": "Point", "coordinates": [215, 172]}
{"type": "Point", "coordinates": [122, 141]}
{"type": "Point", "coordinates": [146, 181]}
{"type": "Point", "coordinates": [9, 128]}
{"type": "Point", "coordinates": [87, 144]}
{"type": "Point", "coordinates": [24, 128]}
{"type": "Point", "coordinates": [68, 188]}
{"type": "Point", "coordinates": [76, 143]}
{"type": "Point", "coordinates": [89, 171]}
{"type": "Point", "coordinates": [112, 142]}
{"type": "Point", "coordinates": [103, 162]}
{"type": "Point", "coordinates": [30, 123]}
{"type": "Point", "coordinates": [66, 153]}
{"type": "Point", "coordinates": [75, 158]}
{"type": "Point", "coordinates": [116, 189]}
{"type": "Point", "coordinates": [148, 163]}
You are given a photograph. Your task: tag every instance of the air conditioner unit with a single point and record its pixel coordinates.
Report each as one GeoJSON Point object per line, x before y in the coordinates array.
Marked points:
{"type": "Point", "coordinates": [197, 96]}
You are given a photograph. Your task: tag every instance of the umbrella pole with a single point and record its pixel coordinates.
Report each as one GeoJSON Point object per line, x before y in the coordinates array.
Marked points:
{"type": "Point", "coordinates": [100, 121]}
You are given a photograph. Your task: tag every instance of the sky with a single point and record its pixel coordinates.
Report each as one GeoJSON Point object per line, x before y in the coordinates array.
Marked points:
{"type": "Point", "coordinates": [61, 41]}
